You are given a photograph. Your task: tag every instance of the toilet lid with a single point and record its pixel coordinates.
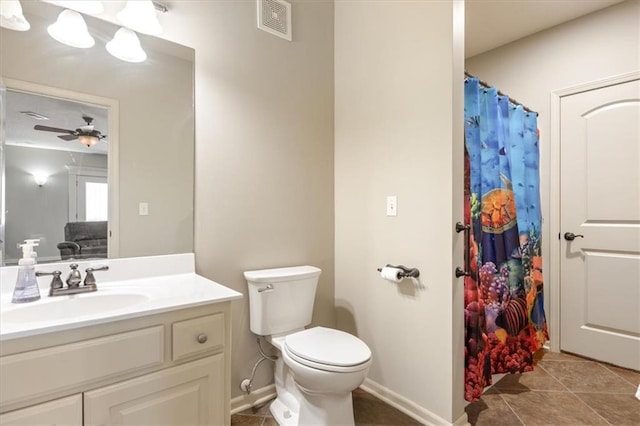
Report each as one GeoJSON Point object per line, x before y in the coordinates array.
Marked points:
{"type": "Point", "coordinates": [328, 346]}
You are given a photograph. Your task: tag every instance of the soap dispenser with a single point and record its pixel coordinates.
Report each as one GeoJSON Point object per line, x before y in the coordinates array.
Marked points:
{"type": "Point", "coordinates": [26, 289]}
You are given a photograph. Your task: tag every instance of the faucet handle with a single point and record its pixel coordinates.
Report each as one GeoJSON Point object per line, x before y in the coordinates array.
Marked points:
{"type": "Point", "coordinates": [56, 281]}
{"type": "Point", "coordinates": [89, 279]}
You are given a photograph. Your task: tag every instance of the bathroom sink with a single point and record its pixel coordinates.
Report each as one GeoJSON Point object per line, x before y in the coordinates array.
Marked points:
{"type": "Point", "coordinates": [75, 306]}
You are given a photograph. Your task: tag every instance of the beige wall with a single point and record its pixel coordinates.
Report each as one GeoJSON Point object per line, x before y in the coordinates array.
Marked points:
{"type": "Point", "coordinates": [594, 47]}
{"type": "Point", "coordinates": [396, 96]}
{"type": "Point", "coordinates": [264, 151]}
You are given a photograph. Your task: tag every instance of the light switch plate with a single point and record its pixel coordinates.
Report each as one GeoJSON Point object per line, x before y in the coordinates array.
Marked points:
{"type": "Point", "coordinates": [392, 205]}
{"type": "Point", "coordinates": [143, 209]}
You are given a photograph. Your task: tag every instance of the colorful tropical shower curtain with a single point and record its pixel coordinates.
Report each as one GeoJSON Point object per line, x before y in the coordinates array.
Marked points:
{"type": "Point", "coordinates": [504, 315]}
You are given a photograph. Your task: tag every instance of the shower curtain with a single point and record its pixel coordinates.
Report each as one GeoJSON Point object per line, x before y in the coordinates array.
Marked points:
{"type": "Point", "coordinates": [504, 315]}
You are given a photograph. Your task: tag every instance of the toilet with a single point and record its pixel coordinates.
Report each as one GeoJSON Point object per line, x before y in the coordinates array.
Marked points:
{"type": "Point", "coordinates": [317, 368]}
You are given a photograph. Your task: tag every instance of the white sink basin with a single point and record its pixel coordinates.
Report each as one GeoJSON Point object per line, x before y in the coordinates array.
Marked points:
{"type": "Point", "coordinates": [131, 288]}
{"type": "Point", "coordinates": [75, 306]}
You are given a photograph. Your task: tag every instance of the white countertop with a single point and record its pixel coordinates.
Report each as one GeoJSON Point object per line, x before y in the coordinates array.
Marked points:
{"type": "Point", "coordinates": [170, 284]}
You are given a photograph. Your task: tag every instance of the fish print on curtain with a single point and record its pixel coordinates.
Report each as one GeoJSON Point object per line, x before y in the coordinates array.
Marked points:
{"type": "Point", "coordinates": [504, 314]}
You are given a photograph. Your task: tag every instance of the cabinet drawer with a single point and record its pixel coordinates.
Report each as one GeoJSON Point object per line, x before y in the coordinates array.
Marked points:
{"type": "Point", "coordinates": [32, 374]}
{"type": "Point", "coordinates": [197, 335]}
{"type": "Point", "coordinates": [63, 411]}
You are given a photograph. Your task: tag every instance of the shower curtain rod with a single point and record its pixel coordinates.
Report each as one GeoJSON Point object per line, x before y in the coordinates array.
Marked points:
{"type": "Point", "coordinates": [511, 100]}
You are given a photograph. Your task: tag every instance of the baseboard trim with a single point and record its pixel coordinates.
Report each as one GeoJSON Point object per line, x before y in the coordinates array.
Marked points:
{"type": "Point", "coordinates": [409, 407]}
{"type": "Point", "coordinates": [256, 397]}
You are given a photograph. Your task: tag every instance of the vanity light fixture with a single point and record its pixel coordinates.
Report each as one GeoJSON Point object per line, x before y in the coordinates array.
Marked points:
{"type": "Point", "coordinates": [40, 178]}
{"type": "Point", "coordinates": [88, 140]}
{"type": "Point", "coordinates": [88, 7]}
{"type": "Point", "coordinates": [70, 29]}
{"type": "Point", "coordinates": [11, 16]}
{"type": "Point", "coordinates": [140, 16]}
{"type": "Point", "coordinates": [126, 46]}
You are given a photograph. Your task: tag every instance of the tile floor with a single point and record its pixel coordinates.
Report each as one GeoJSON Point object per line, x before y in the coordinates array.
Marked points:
{"type": "Point", "coordinates": [563, 390]}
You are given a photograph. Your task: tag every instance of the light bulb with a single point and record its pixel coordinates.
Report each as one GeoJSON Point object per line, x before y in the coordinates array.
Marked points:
{"type": "Point", "coordinates": [88, 140]}
{"type": "Point", "coordinates": [70, 29]}
{"type": "Point", "coordinates": [126, 46]}
{"type": "Point", "coordinates": [88, 7]}
{"type": "Point", "coordinates": [140, 16]}
{"type": "Point", "coordinates": [11, 16]}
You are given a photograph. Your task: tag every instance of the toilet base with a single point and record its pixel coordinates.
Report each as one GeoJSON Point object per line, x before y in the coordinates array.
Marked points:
{"type": "Point", "coordinates": [314, 410]}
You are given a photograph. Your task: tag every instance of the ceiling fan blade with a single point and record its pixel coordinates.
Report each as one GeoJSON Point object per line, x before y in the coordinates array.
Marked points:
{"type": "Point", "coordinates": [68, 137]}
{"type": "Point", "coordinates": [52, 129]}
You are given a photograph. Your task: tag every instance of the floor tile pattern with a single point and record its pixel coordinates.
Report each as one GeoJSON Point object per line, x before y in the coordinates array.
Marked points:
{"type": "Point", "coordinates": [563, 390]}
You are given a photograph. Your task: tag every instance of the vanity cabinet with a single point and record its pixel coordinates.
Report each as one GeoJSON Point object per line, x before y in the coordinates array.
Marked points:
{"type": "Point", "coordinates": [170, 368]}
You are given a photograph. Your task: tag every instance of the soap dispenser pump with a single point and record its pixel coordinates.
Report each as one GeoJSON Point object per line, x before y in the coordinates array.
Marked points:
{"type": "Point", "coordinates": [26, 289]}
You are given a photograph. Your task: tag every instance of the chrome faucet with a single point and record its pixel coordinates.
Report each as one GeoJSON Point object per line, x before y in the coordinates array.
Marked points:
{"type": "Point", "coordinates": [73, 281]}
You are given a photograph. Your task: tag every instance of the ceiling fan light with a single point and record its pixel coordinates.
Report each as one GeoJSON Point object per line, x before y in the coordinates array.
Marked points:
{"type": "Point", "coordinates": [88, 140]}
{"type": "Point", "coordinates": [89, 7]}
{"type": "Point", "coordinates": [140, 16]}
{"type": "Point", "coordinates": [126, 46]}
{"type": "Point", "coordinates": [11, 16]}
{"type": "Point", "coordinates": [70, 29]}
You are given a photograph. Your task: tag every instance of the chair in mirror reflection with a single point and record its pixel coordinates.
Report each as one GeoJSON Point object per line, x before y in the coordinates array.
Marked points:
{"type": "Point", "coordinates": [84, 240]}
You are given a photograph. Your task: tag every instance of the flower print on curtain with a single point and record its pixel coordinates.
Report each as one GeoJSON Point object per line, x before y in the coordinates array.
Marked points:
{"type": "Point", "coordinates": [504, 314]}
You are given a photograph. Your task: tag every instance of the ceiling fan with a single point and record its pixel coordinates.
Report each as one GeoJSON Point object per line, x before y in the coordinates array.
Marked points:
{"type": "Point", "coordinates": [86, 134]}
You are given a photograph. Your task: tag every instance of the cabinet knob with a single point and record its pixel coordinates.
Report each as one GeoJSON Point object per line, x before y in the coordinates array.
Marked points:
{"type": "Point", "coordinates": [202, 338]}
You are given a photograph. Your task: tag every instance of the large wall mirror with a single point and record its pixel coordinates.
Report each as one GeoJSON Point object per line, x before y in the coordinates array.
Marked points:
{"type": "Point", "coordinates": [135, 186]}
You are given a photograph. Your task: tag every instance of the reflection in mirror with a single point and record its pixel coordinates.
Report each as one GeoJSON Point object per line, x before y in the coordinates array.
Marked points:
{"type": "Point", "coordinates": [150, 176]}
{"type": "Point", "coordinates": [56, 188]}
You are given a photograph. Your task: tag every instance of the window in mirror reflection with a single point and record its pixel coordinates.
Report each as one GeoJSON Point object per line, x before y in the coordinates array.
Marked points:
{"type": "Point", "coordinates": [96, 205]}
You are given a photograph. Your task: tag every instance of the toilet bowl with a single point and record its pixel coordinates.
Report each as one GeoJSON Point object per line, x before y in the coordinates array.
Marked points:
{"type": "Point", "coordinates": [321, 367]}
{"type": "Point", "coordinates": [316, 368]}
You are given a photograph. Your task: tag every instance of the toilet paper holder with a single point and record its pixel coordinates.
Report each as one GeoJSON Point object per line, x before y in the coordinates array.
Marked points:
{"type": "Point", "coordinates": [404, 271]}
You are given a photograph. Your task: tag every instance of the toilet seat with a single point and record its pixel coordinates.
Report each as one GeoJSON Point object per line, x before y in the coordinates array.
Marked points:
{"type": "Point", "coordinates": [328, 349]}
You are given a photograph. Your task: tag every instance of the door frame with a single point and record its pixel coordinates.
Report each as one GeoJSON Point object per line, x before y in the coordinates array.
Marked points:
{"type": "Point", "coordinates": [554, 243]}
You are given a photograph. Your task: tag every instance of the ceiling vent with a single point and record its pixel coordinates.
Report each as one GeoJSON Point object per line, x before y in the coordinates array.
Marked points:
{"type": "Point", "coordinates": [274, 16]}
{"type": "Point", "coordinates": [34, 115]}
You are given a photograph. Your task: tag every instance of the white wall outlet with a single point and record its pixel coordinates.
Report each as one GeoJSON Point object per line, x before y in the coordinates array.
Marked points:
{"type": "Point", "coordinates": [143, 209]}
{"type": "Point", "coordinates": [392, 205]}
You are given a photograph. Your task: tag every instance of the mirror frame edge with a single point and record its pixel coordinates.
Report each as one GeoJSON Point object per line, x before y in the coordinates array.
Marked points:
{"type": "Point", "coordinates": [113, 105]}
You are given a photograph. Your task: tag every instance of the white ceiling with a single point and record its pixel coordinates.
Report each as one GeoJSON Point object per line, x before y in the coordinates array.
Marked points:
{"type": "Point", "coordinates": [64, 114]}
{"type": "Point", "coordinates": [493, 23]}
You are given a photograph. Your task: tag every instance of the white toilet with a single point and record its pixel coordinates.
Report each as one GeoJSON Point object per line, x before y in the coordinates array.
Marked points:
{"type": "Point", "coordinates": [317, 368]}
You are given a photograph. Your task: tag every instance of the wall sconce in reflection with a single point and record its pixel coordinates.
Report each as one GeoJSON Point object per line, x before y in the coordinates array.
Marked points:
{"type": "Point", "coordinates": [40, 178]}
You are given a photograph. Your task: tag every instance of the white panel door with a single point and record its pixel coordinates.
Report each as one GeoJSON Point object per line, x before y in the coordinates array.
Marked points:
{"type": "Point", "coordinates": [600, 204]}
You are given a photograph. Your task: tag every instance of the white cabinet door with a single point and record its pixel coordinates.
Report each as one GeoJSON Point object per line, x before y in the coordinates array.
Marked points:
{"type": "Point", "coordinates": [190, 394]}
{"type": "Point", "coordinates": [600, 190]}
{"type": "Point", "coordinates": [63, 411]}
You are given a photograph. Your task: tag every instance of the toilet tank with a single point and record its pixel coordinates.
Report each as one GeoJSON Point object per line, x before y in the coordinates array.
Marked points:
{"type": "Point", "coordinates": [281, 300]}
